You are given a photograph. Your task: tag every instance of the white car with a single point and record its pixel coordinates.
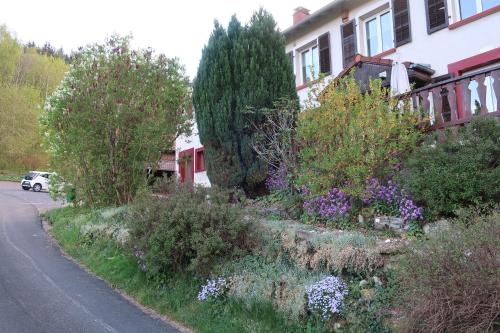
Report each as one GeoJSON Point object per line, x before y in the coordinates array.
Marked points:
{"type": "Point", "coordinates": [37, 180]}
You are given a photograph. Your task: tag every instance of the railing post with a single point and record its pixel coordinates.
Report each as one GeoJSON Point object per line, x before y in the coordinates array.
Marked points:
{"type": "Point", "coordinates": [466, 93]}
{"type": "Point", "coordinates": [481, 91]}
{"type": "Point", "coordinates": [495, 75]}
{"type": "Point", "coordinates": [452, 100]}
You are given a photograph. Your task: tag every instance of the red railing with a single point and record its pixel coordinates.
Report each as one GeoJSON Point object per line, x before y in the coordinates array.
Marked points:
{"type": "Point", "coordinates": [455, 101]}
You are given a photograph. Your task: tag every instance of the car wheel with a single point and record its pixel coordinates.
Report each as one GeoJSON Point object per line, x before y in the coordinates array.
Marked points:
{"type": "Point", "coordinates": [37, 188]}
{"type": "Point", "coordinates": [26, 188]}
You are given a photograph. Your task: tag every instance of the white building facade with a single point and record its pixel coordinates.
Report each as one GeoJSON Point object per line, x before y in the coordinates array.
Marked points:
{"type": "Point", "coordinates": [452, 37]}
{"type": "Point", "coordinates": [190, 159]}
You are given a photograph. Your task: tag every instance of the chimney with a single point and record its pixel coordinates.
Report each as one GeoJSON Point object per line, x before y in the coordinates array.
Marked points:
{"type": "Point", "coordinates": [300, 14]}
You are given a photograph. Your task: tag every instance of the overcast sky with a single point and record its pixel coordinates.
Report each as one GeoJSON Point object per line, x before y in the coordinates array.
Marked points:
{"type": "Point", "coordinates": [176, 28]}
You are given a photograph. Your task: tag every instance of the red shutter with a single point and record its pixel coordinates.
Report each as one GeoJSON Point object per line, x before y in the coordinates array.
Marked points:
{"type": "Point", "coordinates": [324, 54]}
{"type": "Point", "coordinates": [349, 48]}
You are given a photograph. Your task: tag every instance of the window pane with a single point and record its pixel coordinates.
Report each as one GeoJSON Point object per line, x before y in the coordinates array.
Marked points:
{"type": "Point", "coordinates": [305, 66]}
{"type": "Point", "coordinates": [371, 37]}
{"type": "Point", "coordinates": [467, 8]}
{"type": "Point", "coordinates": [386, 30]}
{"type": "Point", "coordinates": [315, 62]}
{"type": "Point", "coordinates": [487, 4]}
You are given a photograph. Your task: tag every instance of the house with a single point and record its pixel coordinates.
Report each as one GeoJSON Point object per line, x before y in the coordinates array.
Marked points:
{"type": "Point", "coordinates": [452, 45]}
{"type": "Point", "coordinates": [189, 158]}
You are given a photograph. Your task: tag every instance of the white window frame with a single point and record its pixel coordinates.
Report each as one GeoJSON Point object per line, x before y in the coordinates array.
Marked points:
{"type": "Point", "coordinates": [315, 74]}
{"type": "Point", "coordinates": [379, 31]}
{"type": "Point", "coordinates": [479, 6]}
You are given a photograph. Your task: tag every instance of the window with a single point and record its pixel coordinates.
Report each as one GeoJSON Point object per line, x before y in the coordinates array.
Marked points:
{"type": "Point", "coordinates": [401, 19]}
{"type": "Point", "coordinates": [324, 54]}
{"type": "Point", "coordinates": [349, 47]}
{"type": "Point", "coordinates": [379, 33]}
{"type": "Point", "coordinates": [437, 15]}
{"type": "Point", "coordinates": [469, 8]}
{"type": "Point", "coordinates": [310, 64]}
{"type": "Point", "coordinates": [200, 160]}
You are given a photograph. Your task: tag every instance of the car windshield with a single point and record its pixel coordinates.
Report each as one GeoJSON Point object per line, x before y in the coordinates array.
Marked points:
{"type": "Point", "coordinates": [30, 175]}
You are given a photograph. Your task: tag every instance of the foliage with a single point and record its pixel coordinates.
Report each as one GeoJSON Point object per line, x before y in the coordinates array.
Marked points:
{"type": "Point", "coordinates": [242, 68]}
{"type": "Point", "coordinates": [352, 136]}
{"type": "Point", "coordinates": [192, 229]}
{"type": "Point", "coordinates": [326, 296]}
{"type": "Point", "coordinates": [451, 281]}
{"type": "Point", "coordinates": [456, 170]}
{"type": "Point", "coordinates": [275, 144]}
{"type": "Point", "coordinates": [175, 297]}
{"type": "Point", "coordinates": [26, 78]}
{"type": "Point", "coordinates": [363, 315]}
{"type": "Point", "coordinates": [112, 114]}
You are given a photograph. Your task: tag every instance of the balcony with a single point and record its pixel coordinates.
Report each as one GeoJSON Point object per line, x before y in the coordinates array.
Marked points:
{"type": "Point", "coordinates": [456, 101]}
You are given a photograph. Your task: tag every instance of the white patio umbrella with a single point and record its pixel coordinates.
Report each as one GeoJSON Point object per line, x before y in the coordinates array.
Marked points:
{"type": "Point", "coordinates": [400, 83]}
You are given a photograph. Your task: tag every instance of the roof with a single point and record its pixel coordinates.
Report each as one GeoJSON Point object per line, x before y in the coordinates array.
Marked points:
{"type": "Point", "coordinates": [314, 17]}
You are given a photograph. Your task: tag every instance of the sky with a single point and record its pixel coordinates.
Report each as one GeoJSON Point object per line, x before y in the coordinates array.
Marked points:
{"type": "Point", "coordinates": [176, 28]}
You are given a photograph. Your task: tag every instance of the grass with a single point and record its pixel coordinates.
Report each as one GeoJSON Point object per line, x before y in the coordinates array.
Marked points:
{"type": "Point", "coordinates": [12, 176]}
{"type": "Point", "coordinates": [175, 297]}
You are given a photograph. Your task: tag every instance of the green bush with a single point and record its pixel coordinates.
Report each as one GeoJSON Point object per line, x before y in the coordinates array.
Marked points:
{"type": "Point", "coordinates": [450, 281]}
{"type": "Point", "coordinates": [192, 229]}
{"type": "Point", "coordinates": [456, 170]}
{"type": "Point", "coordinates": [352, 136]}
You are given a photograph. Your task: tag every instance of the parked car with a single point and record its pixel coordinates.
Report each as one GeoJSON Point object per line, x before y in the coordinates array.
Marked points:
{"type": "Point", "coordinates": [36, 180]}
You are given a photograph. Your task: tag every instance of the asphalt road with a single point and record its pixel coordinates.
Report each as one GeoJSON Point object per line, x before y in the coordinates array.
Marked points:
{"type": "Point", "coordinates": [42, 291]}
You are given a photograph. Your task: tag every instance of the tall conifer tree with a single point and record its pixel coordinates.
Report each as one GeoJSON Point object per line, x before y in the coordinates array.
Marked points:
{"type": "Point", "coordinates": [243, 68]}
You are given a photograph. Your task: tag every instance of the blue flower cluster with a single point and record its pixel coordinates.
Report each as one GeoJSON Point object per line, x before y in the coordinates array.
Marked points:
{"type": "Point", "coordinates": [212, 289]}
{"type": "Point", "coordinates": [277, 179]}
{"type": "Point", "coordinates": [409, 211]}
{"type": "Point", "coordinates": [326, 296]}
{"type": "Point", "coordinates": [335, 204]}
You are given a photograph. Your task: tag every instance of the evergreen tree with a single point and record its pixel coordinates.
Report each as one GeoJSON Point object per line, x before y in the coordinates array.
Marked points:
{"type": "Point", "coordinates": [244, 68]}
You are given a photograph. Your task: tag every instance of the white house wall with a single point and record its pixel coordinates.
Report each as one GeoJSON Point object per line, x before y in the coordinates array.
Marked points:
{"type": "Point", "coordinates": [187, 142]}
{"type": "Point", "coordinates": [437, 49]}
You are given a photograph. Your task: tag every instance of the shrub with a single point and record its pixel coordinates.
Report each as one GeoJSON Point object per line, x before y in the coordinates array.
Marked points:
{"type": "Point", "coordinates": [457, 170]}
{"type": "Point", "coordinates": [352, 136]}
{"type": "Point", "coordinates": [193, 229]}
{"type": "Point", "coordinates": [451, 281]}
{"type": "Point", "coordinates": [114, 111]}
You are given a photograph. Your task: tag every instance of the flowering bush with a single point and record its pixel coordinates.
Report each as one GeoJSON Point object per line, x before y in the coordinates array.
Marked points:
{"type": "Point", "coordinates": [409, 211]}
{"type": "Point", "coordinates": [326, 296]}
{"type": "Point", "coordinates": [333, 206]}
{"type": "Point", "coordinates": [389, 199]}
{"type": "Point", "coordinates": [213, 289]}
{"type": "Point", "coordinates": [277, 180]}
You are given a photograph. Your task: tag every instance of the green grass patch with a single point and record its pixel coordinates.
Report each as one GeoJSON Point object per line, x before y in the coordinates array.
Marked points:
{"type": "Point", "coordinates": [12, 176]}
{"type": "Point", "coordinates": [175, 297]}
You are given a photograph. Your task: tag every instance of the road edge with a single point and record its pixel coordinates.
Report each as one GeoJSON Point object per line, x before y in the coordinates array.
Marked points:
{"type": "Point", "coordinates": [46, 227]}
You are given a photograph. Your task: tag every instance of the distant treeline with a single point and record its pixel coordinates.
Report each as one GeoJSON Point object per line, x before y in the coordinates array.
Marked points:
{"type": "Point", "coordinates": [28, 74]}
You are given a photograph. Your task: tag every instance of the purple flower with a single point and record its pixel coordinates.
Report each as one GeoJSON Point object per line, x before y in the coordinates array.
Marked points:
{"type": "Point", "coordinates": [335, 204]}
{"type": "Point", "coordinates": [374, 191]}
{"type": "Point", "coordinates": [278, 179]}
{"type": "Point", "coordinates": [326, 296]}
{"type": "Point", "coordinates": [409, 211]}
{"type": "Point", "coordinates": [140, 259]}
{"type": "Point", "coordinates": [212, 289]}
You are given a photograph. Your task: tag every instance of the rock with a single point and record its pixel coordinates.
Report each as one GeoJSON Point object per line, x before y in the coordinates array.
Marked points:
{"type": "Point", "coordinates": [337, 326]}
{"type": "Point", "coordinates": [394, 223]}
{"type": "Point", "coordinates": [363, 284]}
{"type": "Point", "coordinates": [377, 281]}
{"type": "Point", "coordinates": [391, 246]}
{"type": "Point", "coordinates": [437, 227]}
{"type": "Point", "coordinates": [367, 294]}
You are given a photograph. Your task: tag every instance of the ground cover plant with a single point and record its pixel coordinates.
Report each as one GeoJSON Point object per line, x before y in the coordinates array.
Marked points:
{"type": "Point", "coordinates": [450, 282]}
